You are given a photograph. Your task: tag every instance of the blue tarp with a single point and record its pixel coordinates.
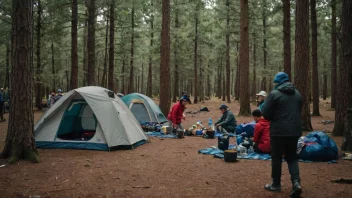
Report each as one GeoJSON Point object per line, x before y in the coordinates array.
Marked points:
{"type": "Point", "coordinates": [160, 135]}
{"type": "Point", "coordinates": [247, 128]}
{"type": "Point", "coordinates": [254, 156]}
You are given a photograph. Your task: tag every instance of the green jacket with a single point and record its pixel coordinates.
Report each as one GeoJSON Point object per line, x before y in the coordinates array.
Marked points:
{"type": "Point", "coordinates": [228, 121]}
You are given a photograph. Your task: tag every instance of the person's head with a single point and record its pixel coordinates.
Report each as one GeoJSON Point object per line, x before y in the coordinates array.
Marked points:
{"type": "Point", "coordinates": [223, 108]}
{"type": "Point", "coordinates": [261, 96]}
{"type": "Point", "coordinates": [280, 78]}
{"type": "Point", "coordinates": [59, 92]}
{"type": "Point", "coordinates": [257, 115]}
{"type": "Point", "coordinates": [184, 100]}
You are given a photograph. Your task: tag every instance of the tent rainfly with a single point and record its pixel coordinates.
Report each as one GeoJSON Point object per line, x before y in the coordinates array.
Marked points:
{"type": "Point", "coordinates": [89, 118]}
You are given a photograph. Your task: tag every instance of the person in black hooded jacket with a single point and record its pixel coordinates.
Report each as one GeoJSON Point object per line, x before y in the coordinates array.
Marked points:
{"type": "Point", "coordinates": [283, 109]}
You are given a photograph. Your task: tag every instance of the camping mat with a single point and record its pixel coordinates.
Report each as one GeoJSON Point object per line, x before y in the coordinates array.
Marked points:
{"type": "Point", "coordinates": [160, 135]}
{"type": "Point", "coordinates": [253, 156]}
{"type": "Point", "coordinates": [229, 134]}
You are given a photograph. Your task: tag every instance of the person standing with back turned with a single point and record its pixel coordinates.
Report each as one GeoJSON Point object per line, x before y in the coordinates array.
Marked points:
{"type": "Point", "coordinates": [283, 109]}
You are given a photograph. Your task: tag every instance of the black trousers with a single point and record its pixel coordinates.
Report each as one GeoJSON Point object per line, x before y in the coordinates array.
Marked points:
{"type": "Point", "coordinates": [286, 146]}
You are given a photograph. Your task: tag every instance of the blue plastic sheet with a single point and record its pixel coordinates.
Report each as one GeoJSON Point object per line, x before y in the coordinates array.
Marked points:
{"type": "Point", "coordinates": [160, 135]}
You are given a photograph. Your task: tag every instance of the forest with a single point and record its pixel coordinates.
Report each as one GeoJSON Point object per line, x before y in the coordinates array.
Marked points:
{"type": "Point", "coordinates": [208, 48]}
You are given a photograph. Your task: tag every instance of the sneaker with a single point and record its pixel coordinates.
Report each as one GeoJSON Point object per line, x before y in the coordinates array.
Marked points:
{"type": "Point", "coordinates": [272, 187]}
{"type": "Point", "coordinates": [296, 190]}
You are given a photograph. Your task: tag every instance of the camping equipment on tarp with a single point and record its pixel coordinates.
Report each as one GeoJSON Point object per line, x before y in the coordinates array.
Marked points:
{"type": "Point", "coordinates": [246, 129]}
{"type": "Point", "coordinates": [223, 142]}
{"type": "Point", "coordinates": [230, 155]}
{"type": "Point", "coordinates": [318, 146]}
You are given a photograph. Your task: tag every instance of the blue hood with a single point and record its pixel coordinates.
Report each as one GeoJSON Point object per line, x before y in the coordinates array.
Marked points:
{"type": "Point", "coordinates": [281, 77]}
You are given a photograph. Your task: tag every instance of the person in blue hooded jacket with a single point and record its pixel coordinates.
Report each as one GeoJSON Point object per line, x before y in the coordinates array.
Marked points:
{"type": "Point", "coordinates": [283, 109]}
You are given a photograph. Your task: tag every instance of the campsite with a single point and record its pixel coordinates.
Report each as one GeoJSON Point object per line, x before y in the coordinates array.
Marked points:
{"type": "Point", "coordinates": [175, 98]}
{"type": "Point", "coordinates": [164, 168]}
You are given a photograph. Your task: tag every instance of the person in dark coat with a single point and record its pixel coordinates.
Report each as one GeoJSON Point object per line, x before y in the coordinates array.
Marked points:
{"type": "Point", "coordinates": [227, 121]}
{"type": "Point", "coordinates": [283, 109]}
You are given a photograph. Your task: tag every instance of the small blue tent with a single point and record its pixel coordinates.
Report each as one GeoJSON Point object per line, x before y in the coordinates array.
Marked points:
{"type": "Point", "coordinates": [144, 108]}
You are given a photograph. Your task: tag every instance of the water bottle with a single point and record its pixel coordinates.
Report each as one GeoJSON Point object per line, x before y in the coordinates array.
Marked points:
{"type": "Point", "coordinates": [210, 122]}
{"type": "Point", "coordinates": [250, 150]}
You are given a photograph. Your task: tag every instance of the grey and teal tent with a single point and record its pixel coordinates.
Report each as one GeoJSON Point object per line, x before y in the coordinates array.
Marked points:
{"type": "Point", "coordinates": [144, 108]}
{"type": "Point", "coordinates": [89, 118]}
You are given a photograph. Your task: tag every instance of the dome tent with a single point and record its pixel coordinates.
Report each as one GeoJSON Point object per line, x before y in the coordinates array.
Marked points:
{"type": "Point", "coordinates": [144, 108]}
{"type": "Point", "coordinates": [88, 118]}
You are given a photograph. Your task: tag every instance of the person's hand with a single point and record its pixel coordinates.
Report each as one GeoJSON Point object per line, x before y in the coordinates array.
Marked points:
{"type": "Point", "coordinates": [217, 125]}
{"type": "Point", "coordinates": [174, 125]}
{"type": "Point", "coordinates": [184, 117]}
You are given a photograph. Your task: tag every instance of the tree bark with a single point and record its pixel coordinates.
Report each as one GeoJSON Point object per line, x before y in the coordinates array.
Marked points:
{"type": "Point", "coordinates": [130, 86]}
{"type": "Point", "coordinates": [265, 51]}
{"type": "Point", "coordinates": [38, 98]}
{"type": "Point", "coordinates": [346, 47]}
{"type": "Point", "coordinates": [208, 82]}
{"type": "Point", "coordinates": [333, 55]}
{"type": "Point", "coordinates": [7, 77]}
{"type": "Point", "coordinates": [287, 37]}
{"type": "Point", "coordinates": [91, 43]}
{"type": "Point", "coordinates": [85, 52]}
{"type": "Point", "coordinates": [244, 61]}
{"type": "Point", "coordinates": [195, 101]}
{"type": "Point", "coordinates": [150, 69]}
{"type": "Point", "coordinates": [176, 86]}
{"type": "Point", "coordinates": [104, 78]}
{"type": "Point", "coordinates": [53, 71]}
{"type": "Point", "coordinates": [20, 143]}
{"type": "Point", "coordinates": [218, 92]}
{"type": "Point", "coordinates": [302, 60]}
{"type": "Point", "coordinates": [228, 72]}
{"type": "Point", "coordinates": [165, 91]}
{"type": "Point", "coordinates": [315, 74]}
{"type": "Point", "coordinates": [325, 82]}
{"type": "Point", "coordinates": [74, 55]}
{"type": "Point", "coordinates": [123, 75]}
{"type": "Point", "coordinates": [111, 47]}
{"type": "Point", "coordinates": [254, 83]}
{"type": "Point", "coordinates": [237, 83]}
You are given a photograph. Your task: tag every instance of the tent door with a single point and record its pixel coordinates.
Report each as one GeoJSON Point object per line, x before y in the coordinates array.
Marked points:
{"type": "Point", "coordinates": [140, 111]}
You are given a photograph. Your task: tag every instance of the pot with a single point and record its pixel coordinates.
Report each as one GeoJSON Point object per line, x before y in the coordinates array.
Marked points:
{"type": "Point", "coordinates": [230, 155]}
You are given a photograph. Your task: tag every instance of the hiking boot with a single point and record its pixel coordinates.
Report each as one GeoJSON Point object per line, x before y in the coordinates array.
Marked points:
{"type": "Point", "coordinates": [273, 187]}
{"type": "Point", "coordinates": [296, 190]}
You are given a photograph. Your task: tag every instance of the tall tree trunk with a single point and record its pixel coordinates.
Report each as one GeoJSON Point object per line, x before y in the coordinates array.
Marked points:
{"type": "Point", "coordinates": [219, 81]}
{"type": "Point", "coordinates": [228, 72]}
{"type": "Point", "coordinates": [20, 143]}
{"type": "Point", "coordinates": [104, 78]}
{"type": "Point", "coordinates": [208, 82]}
{"type": "Point", "coordinates": [315, 74]}
{"type": "Point", "coordinates": [325, 82]}
{"type": "Point", "coordinates": [53, 71]}
{"type": "Point", "coordinates": [196, 56]}
{"type": "Point", "coordinates": [142, 79]}
{"type": "Point", "coordinates": [223, 90]}
{"type": "Point", "coordinates": [7, 77]}
{"type": "Point", "coordinates": [74, 55]}
{"type": "Point", "coordinates": [265, 51]}
{"type": "Point", "coordinates": [254, 83]}
{"type": "Point", "coordinates": [333, 55]}
{"type": "Point", "coordinates": [346, 48]}
{"type": "Point", "coordinates": [91, 43]}
{"type": "Point", "coordinates": [111, 47]}
{"type": "Point", "coordinates": [244, 61]}
{"type": "Point", "coordinates": [176, 86]}
{"type": "Point", "coordinates": [130, 86]}
{"type": "Point", "coordinates": [237, 83]}
{"type": "Point", "coordinates": [150, 69]}
{"type": "Point", "coordinates": [302, 60]}
{"type": "Point", "coordinates": [287, 37]}
{"type": "Point", "coordinates": [123, 91]}
{"type": "Point", "coordinates": [38, 98]}
{"type": "Point", "coordinates": [165, 59]}
{"type": "Point", "coordinates": [85, 52]}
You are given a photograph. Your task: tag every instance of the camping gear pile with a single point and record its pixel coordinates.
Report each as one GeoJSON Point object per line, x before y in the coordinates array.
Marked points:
{"type": "Point", "coordinates": [246, 129]}
{"type": "Point", "coordinates": [151, 126]}
{"type": "Point", "coordinates": [317, 146]}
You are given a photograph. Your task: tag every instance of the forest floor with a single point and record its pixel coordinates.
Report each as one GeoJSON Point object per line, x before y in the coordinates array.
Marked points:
{"type": "Point", "coordinates": [165, 168]}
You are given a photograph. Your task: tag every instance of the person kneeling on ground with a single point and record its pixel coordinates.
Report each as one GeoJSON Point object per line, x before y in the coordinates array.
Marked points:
{"type": "Point", "coordinates": [261, 100]}
{"type": "Point", "coordinates": [227, 122]}
{"type": "Point", "coordinates": [261, 133]}
{"type": "Point", "coordinates": [176, 114]}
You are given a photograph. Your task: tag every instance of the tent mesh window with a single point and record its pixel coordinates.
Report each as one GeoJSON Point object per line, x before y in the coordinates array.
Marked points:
{"type": "Point", "coordinates": [78, 123]}
{"type": "Point", "coordinates": [141, 113]}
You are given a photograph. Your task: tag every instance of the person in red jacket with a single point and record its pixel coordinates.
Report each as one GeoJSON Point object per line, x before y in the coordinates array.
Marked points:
{"type": "Point", "coordinates": [261, 133]}
{"type": "Point", "coordinates": [176, 114]}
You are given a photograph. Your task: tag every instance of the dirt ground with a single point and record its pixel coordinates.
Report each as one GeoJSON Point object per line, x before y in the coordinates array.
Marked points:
{"type": "Point", "coordinates": [165, 168]}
